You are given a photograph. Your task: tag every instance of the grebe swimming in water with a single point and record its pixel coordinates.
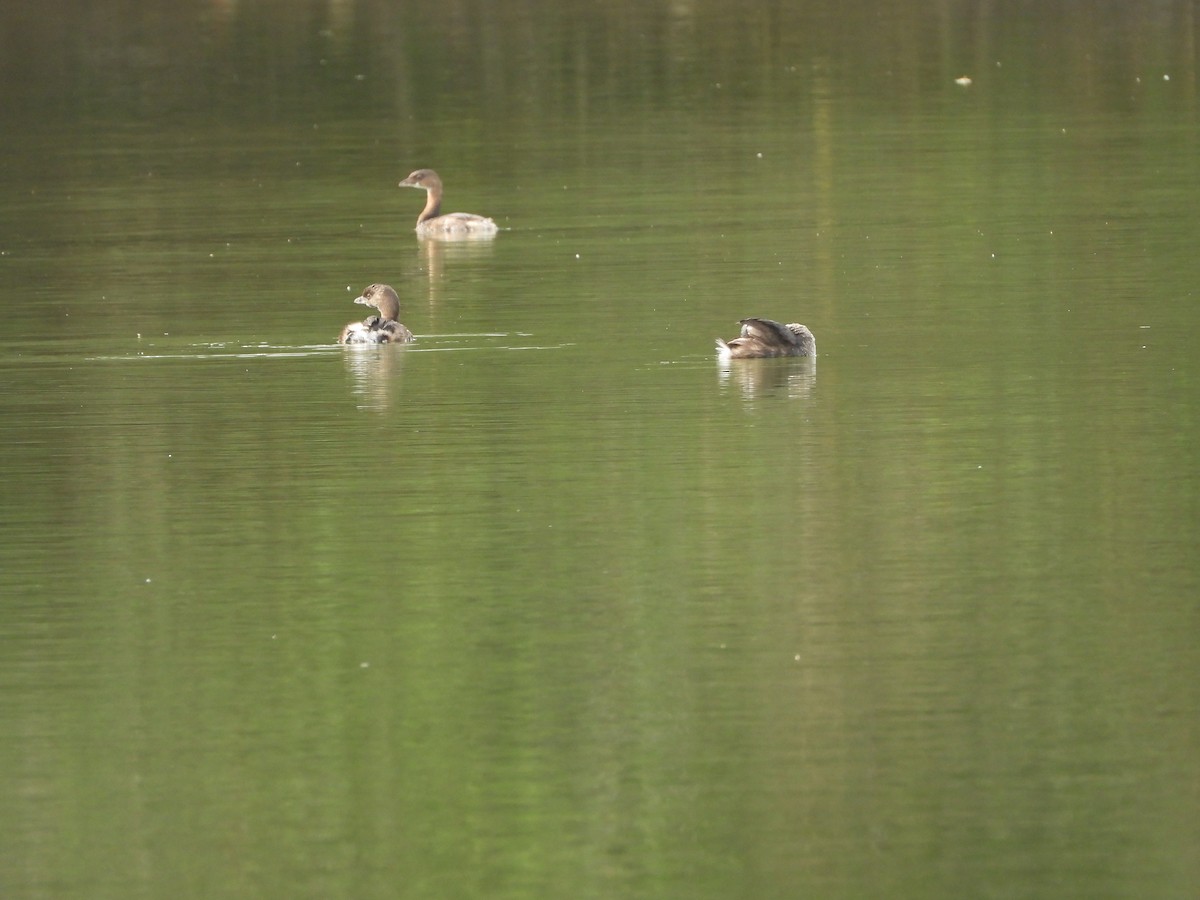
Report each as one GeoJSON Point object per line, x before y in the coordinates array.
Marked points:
{"type": "Point", "coordinates": [430, 223]}
{"type": "Point", "coordinates": [380, 329]}
{"type": "Point", "coordinates": [764, 337]}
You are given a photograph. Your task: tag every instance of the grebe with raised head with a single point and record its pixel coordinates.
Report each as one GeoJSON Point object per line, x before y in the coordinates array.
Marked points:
{"type": "Point", "coordinates": [380, 329]}
{"type": "Point", "coordinates": [765, 337]}
{"type": "Point", "coordinates": [430, 223]}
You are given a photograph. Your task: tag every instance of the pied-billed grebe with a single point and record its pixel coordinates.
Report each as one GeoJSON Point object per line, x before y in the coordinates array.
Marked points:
{"type": "Point", "coordinates": [431, 223]}
{"type": "Point", "coordinates": [764, 337]}
{"type": "Point", "coordinates": [380, 329]}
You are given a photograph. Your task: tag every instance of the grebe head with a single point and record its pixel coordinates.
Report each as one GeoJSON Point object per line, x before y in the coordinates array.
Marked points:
{"type": "Point", "coordinates": [384, 298]}
{"type": "Point", "coordinates": [425, 179]}
{"type": "Point", "coordinates": [806, 343]}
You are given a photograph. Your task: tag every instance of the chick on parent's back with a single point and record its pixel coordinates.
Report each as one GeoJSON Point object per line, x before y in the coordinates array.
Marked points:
{"type": "Point", "coordinates": [383, 328]}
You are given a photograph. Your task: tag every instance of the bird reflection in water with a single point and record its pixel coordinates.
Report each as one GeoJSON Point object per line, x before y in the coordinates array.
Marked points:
{"type": "Point", "coordinates": [434, 254]}
{"type": "Point", "coordinates": [375, 373]}
{"type": "Point", "coordinates": [794, 377]}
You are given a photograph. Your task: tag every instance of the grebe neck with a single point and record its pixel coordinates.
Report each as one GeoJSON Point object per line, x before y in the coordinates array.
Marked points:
{"type": "Point", "coordinates": [433, 204]}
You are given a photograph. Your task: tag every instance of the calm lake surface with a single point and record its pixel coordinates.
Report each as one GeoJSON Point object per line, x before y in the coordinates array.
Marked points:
{"type": "Point", "coordinates": [550, 604]}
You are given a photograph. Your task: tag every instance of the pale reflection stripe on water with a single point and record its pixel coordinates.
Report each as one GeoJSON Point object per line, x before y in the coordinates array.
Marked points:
{"type": "Point", "coordinates": [288, 352]}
